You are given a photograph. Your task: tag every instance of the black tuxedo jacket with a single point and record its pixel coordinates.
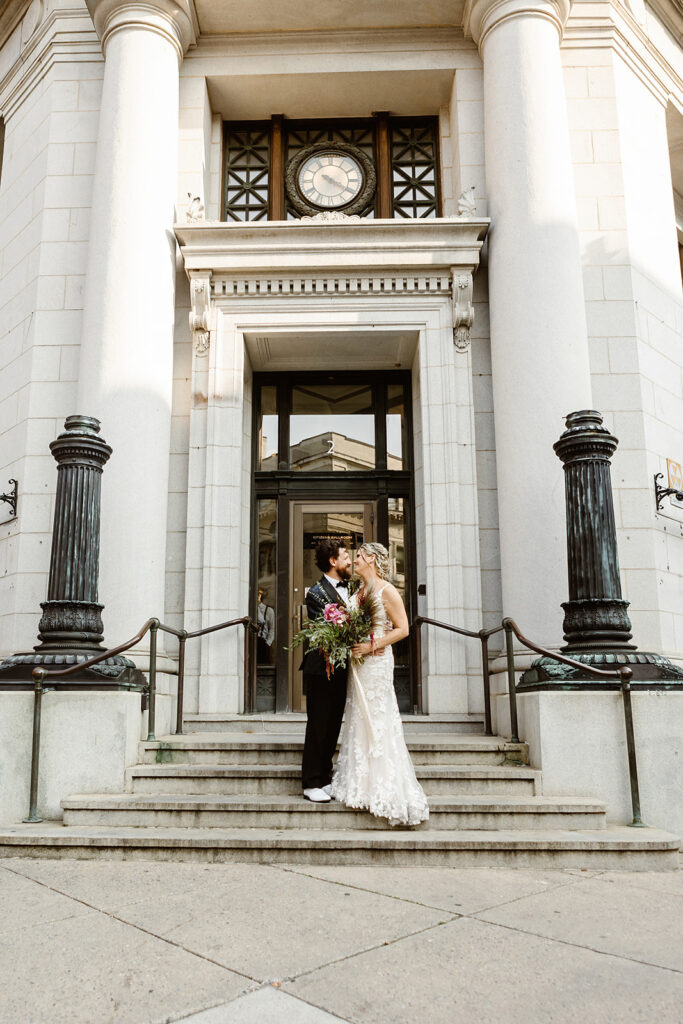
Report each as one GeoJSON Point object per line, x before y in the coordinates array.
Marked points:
{"type": "Point", "coordinates": [320, 594]}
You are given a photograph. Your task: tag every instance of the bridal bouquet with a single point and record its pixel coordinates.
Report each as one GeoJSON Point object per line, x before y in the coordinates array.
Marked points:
{"type": "Point", "coordinates": [337, 630]}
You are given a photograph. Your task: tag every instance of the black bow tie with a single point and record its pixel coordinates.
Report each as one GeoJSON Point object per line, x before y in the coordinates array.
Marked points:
{"type": "Point", "coordinates": [342, 583]}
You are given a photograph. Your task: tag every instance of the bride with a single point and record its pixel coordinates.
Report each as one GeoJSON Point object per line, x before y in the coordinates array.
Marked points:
{"type": "Point", "coordinates": [374, 771]}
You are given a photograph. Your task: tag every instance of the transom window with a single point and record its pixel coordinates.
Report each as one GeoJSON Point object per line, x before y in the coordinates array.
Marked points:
{"type": "Point", "coordinates": [331, 424]}
{"type": "Point", "coordinates": [397, 157]}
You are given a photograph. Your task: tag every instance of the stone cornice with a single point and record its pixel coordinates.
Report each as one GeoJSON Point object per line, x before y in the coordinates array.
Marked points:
{"type": "Point", "coordinates": [613, 26]}
{"type": "Point", "coordinates": [172, 19]}
{"type": "Point", "coordinates": [359, 247]}
{"type": "Point", "coordinates": [65, 36]}
{"type": "Point", "coordinates": [483, 15]}
{"type": "Point", "coordinates": [331, 41]}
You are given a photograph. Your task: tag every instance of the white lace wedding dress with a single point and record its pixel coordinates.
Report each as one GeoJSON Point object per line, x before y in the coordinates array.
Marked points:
{"type": "Point", "coordinates": [374, 771]}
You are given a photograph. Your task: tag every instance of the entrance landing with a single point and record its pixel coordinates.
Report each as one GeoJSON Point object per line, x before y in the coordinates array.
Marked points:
{"type": "Point", "coordinates": [294, 723]}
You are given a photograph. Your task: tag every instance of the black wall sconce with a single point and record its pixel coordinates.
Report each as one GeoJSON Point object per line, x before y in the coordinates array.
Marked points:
{"type": "Point", "coordinates": [11, 499]}
{"type": "Point", "coordinates": [663, 492]}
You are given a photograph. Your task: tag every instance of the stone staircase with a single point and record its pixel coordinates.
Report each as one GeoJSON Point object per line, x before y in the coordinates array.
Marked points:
{"type": "Point", "coordinates": [235, 794]}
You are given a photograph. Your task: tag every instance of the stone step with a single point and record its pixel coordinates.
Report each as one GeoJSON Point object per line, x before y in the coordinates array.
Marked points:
{"type": "Point", "coordinates": [474, 812]}
{"type": "Point", "coordinates": [272, 779]}
{"type": "Point", "coordinates": [294, 722]}
{"type": "Point", "coordinates": [644, 849]}
{"type": "Point", "coordinates": [260, 748]}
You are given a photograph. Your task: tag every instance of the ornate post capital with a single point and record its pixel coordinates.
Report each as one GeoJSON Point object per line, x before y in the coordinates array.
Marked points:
{"type": "Point", "coordinates": [171, 19]}
{"type": "Point", "coordinates": [585, 438]}
{"type": "Point", "coordinates": [483, 15]}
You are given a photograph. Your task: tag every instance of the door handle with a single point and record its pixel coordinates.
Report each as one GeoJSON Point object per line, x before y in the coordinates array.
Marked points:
{"type": "Point", "coordinates": [298, 617]}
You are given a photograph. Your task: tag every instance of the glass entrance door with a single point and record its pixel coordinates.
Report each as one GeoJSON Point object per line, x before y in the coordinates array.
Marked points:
{"type": "Point", "coordinates": [331, 456]}
{"type": "Point", "coordinates": [312, 522]}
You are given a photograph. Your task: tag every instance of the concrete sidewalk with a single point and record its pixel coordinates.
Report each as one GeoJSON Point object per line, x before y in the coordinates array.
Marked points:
{"type": "Point", "coordinates": [140, 943]}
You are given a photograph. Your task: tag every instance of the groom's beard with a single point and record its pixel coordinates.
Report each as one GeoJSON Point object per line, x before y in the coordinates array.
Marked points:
{"type": "Point", "coordinates": [344, 574]}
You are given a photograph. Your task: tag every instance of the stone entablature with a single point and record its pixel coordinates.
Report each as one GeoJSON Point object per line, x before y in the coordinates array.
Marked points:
{"type": "Point", "coordinates": [436, 258]}
{"type": "Point", "coordinates": [271, 246]}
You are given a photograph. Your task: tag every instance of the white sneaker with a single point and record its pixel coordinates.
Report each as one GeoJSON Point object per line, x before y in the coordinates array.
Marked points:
{"type": "Point", "coordinates": [328, 789]}
{"type": "Point", "coordinates": [318, 796]}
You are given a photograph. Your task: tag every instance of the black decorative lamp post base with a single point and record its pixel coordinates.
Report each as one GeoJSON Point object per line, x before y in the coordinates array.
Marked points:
{"type": "Point", "coordinates": [70, 629]}
{"type": "Point", "coordinates": [597, 629]}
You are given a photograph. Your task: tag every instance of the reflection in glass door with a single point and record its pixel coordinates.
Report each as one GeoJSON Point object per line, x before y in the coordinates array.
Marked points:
{"type": "Point", "coordinates": [313, 521]}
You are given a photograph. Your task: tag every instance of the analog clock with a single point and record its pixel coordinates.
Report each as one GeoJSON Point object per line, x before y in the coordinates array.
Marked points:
{"type": "Point", "coordinates": [330, 176]}
{"type": "Point", "coordinates": [330, 180]}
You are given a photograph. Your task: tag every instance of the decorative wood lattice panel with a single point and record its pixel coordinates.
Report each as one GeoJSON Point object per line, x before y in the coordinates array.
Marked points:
{"type": "Point", "coordinates": [409, 160]}
{"type": "Point", "coordinates": [414, 169]}
{"type": "Point", "coordinates": [247, 161]}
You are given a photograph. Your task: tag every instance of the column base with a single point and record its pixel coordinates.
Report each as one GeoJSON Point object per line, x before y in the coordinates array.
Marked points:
{"type": "Point", "coordinates": [111, 673]}
{"type": "Point", "coordinates": [646, 667]}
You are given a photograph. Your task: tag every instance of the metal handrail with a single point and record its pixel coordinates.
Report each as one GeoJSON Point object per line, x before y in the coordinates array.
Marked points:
{"type": "Point", "coordinates": [482, 635]}
{"type": "Point", "coordinates": [152, 626]}
{"type": "Point", "coordinates": [623, 675]}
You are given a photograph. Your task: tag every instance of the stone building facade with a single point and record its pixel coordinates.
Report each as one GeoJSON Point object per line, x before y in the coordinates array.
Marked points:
{"type": "Point", "coordinates": [514, 258]}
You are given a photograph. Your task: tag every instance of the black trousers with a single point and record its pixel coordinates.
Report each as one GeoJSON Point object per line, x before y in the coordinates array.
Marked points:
{"type": "Point", "coordinates": [325, 701]}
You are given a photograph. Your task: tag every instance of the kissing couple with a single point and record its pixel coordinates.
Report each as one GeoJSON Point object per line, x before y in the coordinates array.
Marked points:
{"type": "Point", "coordinates": [374, 771]}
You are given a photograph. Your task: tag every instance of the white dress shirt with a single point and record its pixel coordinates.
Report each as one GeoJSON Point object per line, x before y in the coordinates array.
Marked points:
{"type": "Point", "coordinates": [342, 589]}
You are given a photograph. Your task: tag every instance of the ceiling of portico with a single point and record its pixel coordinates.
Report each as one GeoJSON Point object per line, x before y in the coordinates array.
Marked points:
{"type": "Point", "coordinates": [357, 349]}
{"type": "Point", "coordinates": [315, 94]}
{"type": "Point", "coordinates": [218, 17]}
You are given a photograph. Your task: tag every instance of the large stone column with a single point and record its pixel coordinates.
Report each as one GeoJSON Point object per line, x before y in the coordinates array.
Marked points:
{"type": "Point", "coordinates": [539, 344]}
{"type": "Point", "coordinates": [126, 368]}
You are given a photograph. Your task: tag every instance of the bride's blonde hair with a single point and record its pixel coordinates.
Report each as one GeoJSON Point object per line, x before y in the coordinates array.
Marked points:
{"type": "Point", "coordinates": [382, 562]}
{"type": "Point", "coordinates": [382, 568]}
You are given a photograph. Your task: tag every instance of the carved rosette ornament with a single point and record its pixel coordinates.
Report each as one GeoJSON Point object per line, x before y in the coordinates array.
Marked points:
{"type": "Point", "coordinates": [201, 314]}
{"type": "Point", "coordinates": [463, 310]}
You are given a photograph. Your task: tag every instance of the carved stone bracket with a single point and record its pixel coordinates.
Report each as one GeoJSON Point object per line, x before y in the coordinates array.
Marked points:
{"type": "Point", "coordinates": [201, 313]}
{"type": "Point", "coordinates": [463, 310]}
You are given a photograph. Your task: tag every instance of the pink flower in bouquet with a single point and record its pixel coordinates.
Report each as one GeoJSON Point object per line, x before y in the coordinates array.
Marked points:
{"type": "Point", "coordinates": [335, 614]}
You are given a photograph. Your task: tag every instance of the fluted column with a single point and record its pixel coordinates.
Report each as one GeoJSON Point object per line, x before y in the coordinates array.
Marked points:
{"type": "Point", "coordinates": [539, 346]}
{"type": "Point", "coordinates": [595, 615]}
{"type": "Point", "coordinates": [71, 615]}
{"type": "Point", "coordinates": [596, 624]}
{"type": "Point", "coordinates": [126, 368]}
{"type": "Point", "coordinates": [70, 630]}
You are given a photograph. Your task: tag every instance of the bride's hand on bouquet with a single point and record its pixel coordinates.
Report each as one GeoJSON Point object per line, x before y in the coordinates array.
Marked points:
{"type": "Point", "coordinates": [365, 649]}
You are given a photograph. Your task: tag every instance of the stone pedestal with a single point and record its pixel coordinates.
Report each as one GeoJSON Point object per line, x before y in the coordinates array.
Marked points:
{"type": "Point", "coordinates": [578, 741]}
{"type": "Point", "coordinates": [539, 347]}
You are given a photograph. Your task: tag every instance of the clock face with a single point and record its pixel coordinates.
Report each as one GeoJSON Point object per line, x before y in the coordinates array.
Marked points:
{"type": "Point", "coordinates": [330, 180]}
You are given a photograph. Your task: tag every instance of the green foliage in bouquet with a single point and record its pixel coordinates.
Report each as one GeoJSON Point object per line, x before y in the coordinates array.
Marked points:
{"type": "Point", "coordinates": [339, 629]}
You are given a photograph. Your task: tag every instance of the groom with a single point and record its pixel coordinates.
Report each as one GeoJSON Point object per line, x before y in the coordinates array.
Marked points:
{"type": "Point", "coordinates": [325, 698]}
